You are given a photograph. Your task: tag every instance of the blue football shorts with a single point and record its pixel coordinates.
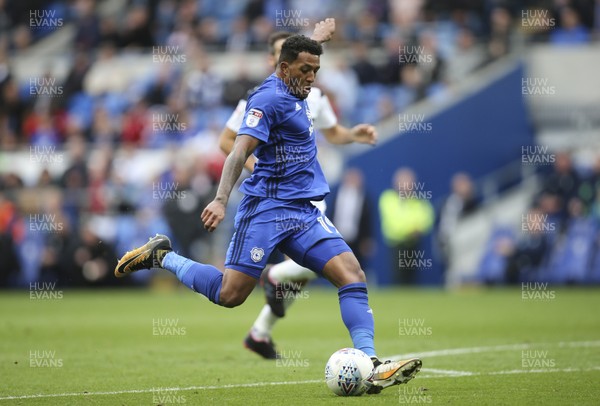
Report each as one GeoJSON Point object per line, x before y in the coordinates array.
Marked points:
{"type": "Point", "coordinates": [296, 228]}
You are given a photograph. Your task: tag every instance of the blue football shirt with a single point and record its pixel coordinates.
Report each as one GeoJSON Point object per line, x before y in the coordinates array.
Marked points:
{"type": "Point", "coordinates": [287, 166]}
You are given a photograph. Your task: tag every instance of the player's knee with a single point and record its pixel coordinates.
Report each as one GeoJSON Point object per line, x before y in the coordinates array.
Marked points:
{"type": "Point", "coordinates": [355, 272]}
{"type": "Point", "coordinates": [344, 270]}
{"type": "Point", "coordinates": [231, 299]}
{"type": "Point", "coordinates": [360, 275]}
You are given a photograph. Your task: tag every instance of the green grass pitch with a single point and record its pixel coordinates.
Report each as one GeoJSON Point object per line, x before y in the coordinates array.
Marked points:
{"type": "Point", "coordinates": [142, 347]}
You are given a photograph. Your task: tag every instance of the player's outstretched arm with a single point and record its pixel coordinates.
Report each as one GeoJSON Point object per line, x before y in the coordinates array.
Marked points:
{"type": "Point", "coordinates": [214, 213]}
{"type": "Point", "coordinates": [324, 30]}
{"type": "Point", "coordinates": [361, 133]}
{"type": "Point", "coordinates": [226, 141]}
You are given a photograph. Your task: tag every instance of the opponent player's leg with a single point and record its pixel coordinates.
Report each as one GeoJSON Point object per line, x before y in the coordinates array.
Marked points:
{"type": "Point", "coordinates": [282, 282]}
{"type": "Point", "coordinates": [281, 288]}
{"type": "Point", "coordinates": [228, 289]}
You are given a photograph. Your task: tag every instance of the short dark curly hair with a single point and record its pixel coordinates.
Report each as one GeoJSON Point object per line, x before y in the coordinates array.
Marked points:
{"type": "Point", "coordinates": [296, 44]}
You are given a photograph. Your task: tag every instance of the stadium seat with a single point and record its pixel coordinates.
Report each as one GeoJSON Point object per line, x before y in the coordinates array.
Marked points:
{"type": "Point", "coordinates": [493, 265]}
{"type": "Point", "coordinates": [593, 276]}
{"type": "Point", "coordinates": [403, 97]}
{"type": "Point", "coordinates": [81, 108]}
{"type": "Point", "coordinates": [571, 257]}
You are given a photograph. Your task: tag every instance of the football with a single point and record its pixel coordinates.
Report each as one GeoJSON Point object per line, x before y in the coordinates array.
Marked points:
{"type": "Point", "coordinates": [348, 372]}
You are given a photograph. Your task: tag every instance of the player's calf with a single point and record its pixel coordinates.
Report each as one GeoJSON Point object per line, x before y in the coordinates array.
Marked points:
{"type": "Point", "coordinates": [235, 288]}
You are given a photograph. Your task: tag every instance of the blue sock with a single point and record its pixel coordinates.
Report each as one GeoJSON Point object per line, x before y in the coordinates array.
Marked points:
{"type": "Point", "coordinates": [358, 316]}
{"type": "Point", "coordinates": [204, 279]}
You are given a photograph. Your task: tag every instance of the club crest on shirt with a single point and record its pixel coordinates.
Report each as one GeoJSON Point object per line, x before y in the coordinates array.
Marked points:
{"type": "Point", "coordinates": [253, 117]}
{"type": "Point", "coordinates": [257, 254]}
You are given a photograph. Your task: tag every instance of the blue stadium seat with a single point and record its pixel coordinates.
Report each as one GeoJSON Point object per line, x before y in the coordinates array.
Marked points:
{"type": "Point", "coordinates": [403, 97]}
{"type": "Point", "coordinates": [116, 104]}
{"type": "Point", "coordinates": [370, 94]}
{"type": "Point", "coordinates": [493, 265]}
{"type": "Point", "coordinates": [593, 275]}
{"type": "Point", "coordinates": [81, 106]}
{"type": "Point", "coordinates": [572, 255]}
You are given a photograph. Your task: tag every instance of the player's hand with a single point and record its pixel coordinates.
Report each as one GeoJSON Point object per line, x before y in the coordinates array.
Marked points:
{"type": "Point", "coordinates": [364, 134]}
{"type": "Point", "coordinates": [324, 30]}
{"type": "Point", "coordinates": [213, 214]}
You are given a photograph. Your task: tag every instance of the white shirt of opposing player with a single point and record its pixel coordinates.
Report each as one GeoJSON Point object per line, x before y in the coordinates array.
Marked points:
{"type": "Point", "coordinates": [318, 104]}
{"type": "Point", "coordinates": [320, 108]}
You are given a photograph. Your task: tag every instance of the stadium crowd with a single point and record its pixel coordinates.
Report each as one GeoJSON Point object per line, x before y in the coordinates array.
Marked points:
{"type": "Point", "coordinates": [85, 205]}
{"type": "Point", "coordinates": [559, 237]}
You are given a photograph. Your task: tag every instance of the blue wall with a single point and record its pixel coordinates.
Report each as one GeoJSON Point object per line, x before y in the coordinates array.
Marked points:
{"type": "Point", "coordinates": [480, 134]}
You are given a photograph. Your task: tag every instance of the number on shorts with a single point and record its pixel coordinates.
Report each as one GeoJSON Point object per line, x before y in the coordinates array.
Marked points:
{"type": "Point", "coordinates": [326, 223]}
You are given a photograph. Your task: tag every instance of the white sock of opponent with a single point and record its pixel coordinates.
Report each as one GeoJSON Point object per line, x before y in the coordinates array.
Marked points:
{"type": "Point", "coordinates": [284, 272]}
{"type": "Point", "coordinates": [289, 271]}
{"type": "Point", "coordinates": [263, 325]}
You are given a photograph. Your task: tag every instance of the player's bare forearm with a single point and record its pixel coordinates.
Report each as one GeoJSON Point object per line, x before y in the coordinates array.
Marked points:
{"type": "Point", "coordinates": [231, 173]}
{"type": "Point", "coordinates": [324, 30]}
{"type": "Point", "coordinates": [214, 213]}
{"type": "Point", "coordinates": [338, 134]}
{"type": "Point", "coordinates": [361, 133]}
{"type": "Point", "coordinates": [226, 142]}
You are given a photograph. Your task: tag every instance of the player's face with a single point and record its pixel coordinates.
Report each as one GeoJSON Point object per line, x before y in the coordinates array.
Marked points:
{"type": "Point", "coordinates": [301, 74]}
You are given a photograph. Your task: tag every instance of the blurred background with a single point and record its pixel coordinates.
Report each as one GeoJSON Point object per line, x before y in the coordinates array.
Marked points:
{"type": "Point", "coordinates": [488, 112]}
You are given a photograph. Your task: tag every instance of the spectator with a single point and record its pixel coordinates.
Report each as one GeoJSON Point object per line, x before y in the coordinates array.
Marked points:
{"type": "Point", "coordinates": [204, 87]}
{"type": "Point", "coordinates": [467, 57]}
{"type": "Point", "coordinates": [88, 259]}
{"type": "Point", "coordinates": [45, 179]}
{"type": "Point", "coordinates": [459, 204]}
{"type": "Point", "coordinates": [499, 43]}
{"type": "Point", "coordinates": [431, 65]}
{"type": "Point", "coordinates": [571, 31]}
{"type": "Point", "coordinates": [342, 83]}
{"type": "Point", "coordinates": [109, 33]}
{"type": "Point", "coordinates": [367, 29]}
{"type": "Point", "coordinates": [589, 186]}
{"type": "Point", "coordinates": [530, 251]}
{"type": "Point", "coordinates": [561, 185]}
{"type": "Point", "coordinates": [182, 208]}
{"type": "Point", "coordinates": [76, 76]}
{"type": "Point", "coordinates": [237, 89]}
{"type": "Point", "coordinates": [391, 71]}
{"type": "Point", "coordinates": [134, 124]}
{"type": "Point", "coordinates": [10, 235]}
{"type": "Point", "coordinates": [405, 218]}
{"type": "Point", "coordinates": [239, 40]}
{"type": "Point", "coordinates": [366, 71]}
{"type": "Point", "coordinates": [350, 212]}
{"type": "Point", "coordinates": [13, 108]}
{"type": "Point", "coordinates": [104, 131]}
{"type": "Point", "coordinates": [87, 25]}
{"type": "Point", "coordinates": [137, 33]}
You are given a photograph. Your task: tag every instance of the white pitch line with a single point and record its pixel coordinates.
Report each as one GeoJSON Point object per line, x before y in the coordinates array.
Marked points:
{"type": "Point", "coordinates": [429, 354]}
{"type": "Point", "coordinates": [506, 347]}
{"type": "Point", "coordinates": [509, 372]}
{"type": "Point", "coordinates": [187, 388]}
{"type": "Point", "coordinates": [458, 374]}
{"type": "Point", "coordinates": [447, 372]}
